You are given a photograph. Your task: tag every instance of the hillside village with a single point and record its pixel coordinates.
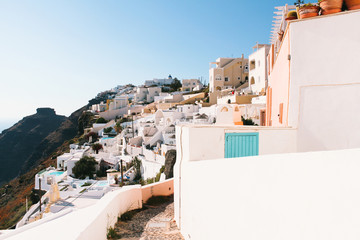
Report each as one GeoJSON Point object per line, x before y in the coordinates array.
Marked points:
{"type": "Point", "coordinates": [263, 145]}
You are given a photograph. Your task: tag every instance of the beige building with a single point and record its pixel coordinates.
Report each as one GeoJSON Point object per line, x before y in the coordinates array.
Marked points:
{"type": "Point", "coordinates": [228, 73]}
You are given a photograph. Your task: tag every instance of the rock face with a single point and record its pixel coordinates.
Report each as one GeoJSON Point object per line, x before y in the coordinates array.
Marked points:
{"type": "Point", "coordinates": [66, 131]}
{"type": "Point", "coordinates": [170, 159]}
{"type": "Point", "coordinates": [20, 142]}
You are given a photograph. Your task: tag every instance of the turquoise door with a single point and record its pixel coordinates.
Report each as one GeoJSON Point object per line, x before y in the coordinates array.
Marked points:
{"type": "Point", "coordinates": [241, 144]}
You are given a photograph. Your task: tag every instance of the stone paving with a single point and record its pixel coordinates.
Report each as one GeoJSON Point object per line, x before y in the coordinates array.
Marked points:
{"type": "Point", "coordinates": [155, 222]}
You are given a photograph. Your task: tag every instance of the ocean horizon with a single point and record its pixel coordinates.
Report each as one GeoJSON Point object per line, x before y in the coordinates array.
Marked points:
{"type": "Point", "coordinates": [5, 124]}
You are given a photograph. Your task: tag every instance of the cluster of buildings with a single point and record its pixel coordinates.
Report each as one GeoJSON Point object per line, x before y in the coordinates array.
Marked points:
{"type": "Point", "coordinates": [291, 174]}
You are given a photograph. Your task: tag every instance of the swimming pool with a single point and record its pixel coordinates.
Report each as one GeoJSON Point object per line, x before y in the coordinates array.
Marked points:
{"type": "Point", "coordinates": [106, 138]}
{"type": "Point", "coordinates": [56, 173]}
{"type": "Point", "coordinates": [102, 184]}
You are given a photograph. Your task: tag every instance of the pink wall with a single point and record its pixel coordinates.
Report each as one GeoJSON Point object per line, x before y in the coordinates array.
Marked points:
{"type": "Point", "coordinates": [165, 188]}
{"type": "Point", "coordinates": [279, 83]}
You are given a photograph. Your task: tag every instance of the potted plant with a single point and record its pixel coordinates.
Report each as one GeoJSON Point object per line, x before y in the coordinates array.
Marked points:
{"type": "Point", "coordinates": [292, 15]}
{"type": "Point", "coordinates": [352, 4]}
{"type": "Point", "coordinates": [330, 6]}
{"type": "Point", "coordinates": [308, 10]}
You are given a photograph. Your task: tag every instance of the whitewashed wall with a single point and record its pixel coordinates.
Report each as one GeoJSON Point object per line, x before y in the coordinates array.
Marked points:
{"type": "Point", "coordinates": [92, 222]}
{"type": "Point", "coordinates": [297, 196]}
{"type": "Point", "coordinates": [112, 114]}
{"type": "Point", "coordinates": [333, 62]}
{"type": "Point", "coordinates": [203, 142]}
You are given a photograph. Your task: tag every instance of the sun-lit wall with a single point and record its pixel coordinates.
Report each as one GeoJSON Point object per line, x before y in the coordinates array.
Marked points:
{"type": "Point", "coordinates": [312, 195]}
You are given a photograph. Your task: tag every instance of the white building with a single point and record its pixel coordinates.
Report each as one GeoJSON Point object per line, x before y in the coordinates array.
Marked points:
{"type": "Point", "coordinates": [169, 97]}
{"type": "Point", "coordinates": [190, 85]}
{"type": "Point", "coordinates": [118, 102]}
{"type": "Point", "coordinates": [146, 94]}
{"type": "Point", "coordinates": [67, 161]}
{"type": "Point", "coordinates": [258, 68]}
{"type": "Point", "coordinates": [159, 82]}
{"type": "Point", "coordinates": [101, 107]}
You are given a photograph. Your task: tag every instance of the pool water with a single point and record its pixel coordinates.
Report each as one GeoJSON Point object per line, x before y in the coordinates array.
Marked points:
{"type": "Point", "coordinates": [102, 184]}
{"type": "Point", "coordinates": [56, 173]}
{"type": "Point", "coordinates": [105, 138]}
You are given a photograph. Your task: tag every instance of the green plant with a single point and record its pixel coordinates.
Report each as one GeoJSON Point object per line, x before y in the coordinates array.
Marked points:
{"type": "Point", "coordinates": [86, 184]}
{"type": "Point", "coordinates": [34, 196]}
{"type": "Point", "coordinates": [93, 136]}
{"type": "Point", "coordinates": [247, 121]}
{"type": "Point", "coordinates": [101, 173]}
{"type": "Point", "coordinates": [85, 167]}
{"type": "Point", "coordinates": [137, 166]}
{"type": "Point", "coordinates": [175, 85]}
{"type": "Point", "coordinates": [111, 233]}
{"type": "Point", "coordinates": [149, 180]}
{"type": "Point", "coordinates": [96, 147]}
{"type": "Point", "coordinates": [157, 178]}
{"type": "Point", "coordinates": [108, 130]}
{"type": "Point", "coordinates": [101, 120]}
{"type": "Point", "coordinates": [118, 127]}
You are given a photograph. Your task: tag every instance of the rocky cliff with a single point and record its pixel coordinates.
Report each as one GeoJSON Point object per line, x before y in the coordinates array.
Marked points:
{"type": "Point", "coordinates": [21, 141]}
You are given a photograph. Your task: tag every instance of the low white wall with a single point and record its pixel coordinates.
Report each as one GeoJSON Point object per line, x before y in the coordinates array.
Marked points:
{"type": "Point", "coordinates": [92, 222]}
{"type": "Point", "coordinates": [107, 211]}
{"type": "Point", "coordinates": [112, 114]}
{"type": "Point", "coordinates": [225, 99]}
{"type": "Point", "coordinates": [314, 195]}
{"type": "Point", "coordinates": [203, 142]}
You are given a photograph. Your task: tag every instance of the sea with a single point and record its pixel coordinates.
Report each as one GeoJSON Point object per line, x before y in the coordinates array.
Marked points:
{"type": "Point", "coordinates": [5, 124]}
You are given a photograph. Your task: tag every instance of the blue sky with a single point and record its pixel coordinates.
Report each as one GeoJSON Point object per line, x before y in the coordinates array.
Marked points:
{"type": "Point", "coordinates": [60, 54]}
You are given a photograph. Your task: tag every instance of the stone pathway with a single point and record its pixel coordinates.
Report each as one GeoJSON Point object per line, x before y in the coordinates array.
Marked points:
{"type": "Point", "coordinates": [155, 222]}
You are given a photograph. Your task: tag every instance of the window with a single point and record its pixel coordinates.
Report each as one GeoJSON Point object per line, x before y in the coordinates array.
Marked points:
{"type": "Point", "coordinates": [252, 65]}
{"type": "Point", "coordinates": [226, 79]}
{"type": "Point", "coordinates": [218, 78]}
{"type": "Point", "coordinates": [239, 78]}
{"type": "Point", "coordinates": [193, 83]}
{"type": "Point", "coordinates": [252, 80]}
{"type": "Point", "coordinates": [240, 66]}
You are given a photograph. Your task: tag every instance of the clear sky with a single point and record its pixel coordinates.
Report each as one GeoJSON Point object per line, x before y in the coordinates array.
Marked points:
{"type": "Point", "coordinates": [60, 54]}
